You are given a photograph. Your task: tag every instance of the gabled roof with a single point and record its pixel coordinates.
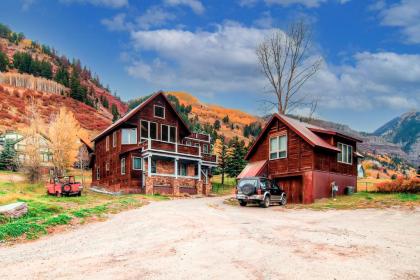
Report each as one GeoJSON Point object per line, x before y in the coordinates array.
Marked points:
{"type": "Point", "coordinates": [138, 108]}
{"type": "Point", "coordinates": [304, 130]}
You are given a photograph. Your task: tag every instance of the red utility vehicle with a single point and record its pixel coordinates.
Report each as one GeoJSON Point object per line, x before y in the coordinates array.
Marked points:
{"type": "Point", "coordinates": [64, 186]}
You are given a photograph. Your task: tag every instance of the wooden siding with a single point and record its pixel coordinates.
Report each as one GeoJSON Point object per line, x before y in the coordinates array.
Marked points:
{"type": "Point", "coordinates": [132, 179]}
{"type": "Point", "coordinates": [299, 153]}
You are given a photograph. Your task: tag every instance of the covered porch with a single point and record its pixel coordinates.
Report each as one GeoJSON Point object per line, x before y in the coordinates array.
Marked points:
{"type": "Point", "coordinates": [175, 175]}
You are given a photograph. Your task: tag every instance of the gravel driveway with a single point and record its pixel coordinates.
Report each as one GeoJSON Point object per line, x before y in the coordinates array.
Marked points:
{"type": "Point", "coordinates": [205, 239]}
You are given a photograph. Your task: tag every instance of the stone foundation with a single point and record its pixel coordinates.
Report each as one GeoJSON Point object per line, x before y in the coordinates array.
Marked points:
{"type": "Point", "coordinates": [175, 186]}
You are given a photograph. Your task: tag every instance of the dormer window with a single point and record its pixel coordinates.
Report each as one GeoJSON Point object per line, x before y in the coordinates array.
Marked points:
{"type": "Point", "coordinates": [159, 111]}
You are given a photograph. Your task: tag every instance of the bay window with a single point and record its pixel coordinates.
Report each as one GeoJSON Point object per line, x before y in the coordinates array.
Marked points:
{"type": "Point", "coordinates": [278, 147]}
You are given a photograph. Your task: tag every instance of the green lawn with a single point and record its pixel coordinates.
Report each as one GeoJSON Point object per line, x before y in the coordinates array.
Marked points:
{"type": "Point", "coordinates": [358, 200]}
{"type": "Point", "coordinates": [227, 188]}
{"type": "Point", "coordinates": [47, 212]}
{"type": "Point", "coordinates": [363, 200]}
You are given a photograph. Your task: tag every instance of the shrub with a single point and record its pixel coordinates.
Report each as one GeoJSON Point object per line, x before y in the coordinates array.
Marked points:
{"type": "Point", "coordinates": [399, 185]}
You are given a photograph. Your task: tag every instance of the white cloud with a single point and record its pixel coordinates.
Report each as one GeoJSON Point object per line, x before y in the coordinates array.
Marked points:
{"type": "Point", "coordinates": [265, 20]}
{"type": "Point", "coordinates": [106, 3]}
{"type": "Point", "coordinates": [154, 17]}
{"type": "Point", "coordinates": [373, 80]}
{"type": "Point", "coordinates": [223, 62]}
{"type": "Point", "coordinates": [405, 15]}
{"type": "Point", "coordinates": [117, 23]}
{"type": "Point", "coordinates": [285, 3]}
{"type": "Point", "coordinates": [306, 3]}
{"type": "Point", "coordinates": [195, 5]}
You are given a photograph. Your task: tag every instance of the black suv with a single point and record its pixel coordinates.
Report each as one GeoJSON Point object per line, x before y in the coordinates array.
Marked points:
{"type": "Point", "coordinates": [259, 190]}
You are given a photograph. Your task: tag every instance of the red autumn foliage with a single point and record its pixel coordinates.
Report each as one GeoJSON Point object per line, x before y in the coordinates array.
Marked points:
{"type": "Point", "coordinates": [399, 185]}
{"type": "Point", "coordinates": [13, 109]}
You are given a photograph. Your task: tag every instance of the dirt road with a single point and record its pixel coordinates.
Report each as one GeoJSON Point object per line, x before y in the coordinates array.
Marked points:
{"type": "Point", "coordinates": [205, 239]}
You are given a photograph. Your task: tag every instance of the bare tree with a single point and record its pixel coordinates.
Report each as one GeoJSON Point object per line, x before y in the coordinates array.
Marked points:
{"type": "Point", "coordinates": [33, 144]}
{"type": "Point", "coordinates": [283, 58]}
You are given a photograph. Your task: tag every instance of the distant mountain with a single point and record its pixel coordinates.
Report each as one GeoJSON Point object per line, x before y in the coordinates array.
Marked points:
{"type": "Point", "coordinates": [232, 122]}
{"type": "Point", "coordinates": [375, 144]}
{"type": "Point", "coordinates": [405, 132]}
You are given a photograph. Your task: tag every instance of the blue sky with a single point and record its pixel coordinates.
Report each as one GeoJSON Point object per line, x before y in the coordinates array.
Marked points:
{"type": "Point", "coordinates": [371, 49]}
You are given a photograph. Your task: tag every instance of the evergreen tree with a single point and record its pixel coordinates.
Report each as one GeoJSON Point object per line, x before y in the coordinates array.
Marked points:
{"type": "Point", "coordinates": [4, 61]}
{"type": "Point", "coordinates": [217, 125]}
{"type": "Point", "coordinates": [77, 91]}
{"type": "Point", "coordinates": [115, 113]}
{"type": "Point", "coordinates": [8, 157]}
{"type": "Point", "coordinates": [226, 119]}
{"type": "Point", "coordinates": [62, 77]}
{"type": "Point", "coordinates": [236, 162]}
{"type": "Point", "coordinates": [5, 31]}
{"type": "Point", "coordinates": [105, 102]}
{"type": "Point", "coordinates": [223, 153]}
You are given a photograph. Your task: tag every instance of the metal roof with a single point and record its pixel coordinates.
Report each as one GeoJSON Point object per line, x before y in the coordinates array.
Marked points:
{"type": "Point", "coordinates": [304, 130]}
{"type": "Point", "coordinates": [252, 169]}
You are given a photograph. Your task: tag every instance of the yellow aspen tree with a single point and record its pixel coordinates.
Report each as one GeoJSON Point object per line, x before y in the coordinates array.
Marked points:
{"type": "Point", "coordinates": [64, 134]}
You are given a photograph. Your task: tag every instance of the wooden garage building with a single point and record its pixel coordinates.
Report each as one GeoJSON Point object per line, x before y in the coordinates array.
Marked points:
{"type": "Point", "coordinates": [303, 159]}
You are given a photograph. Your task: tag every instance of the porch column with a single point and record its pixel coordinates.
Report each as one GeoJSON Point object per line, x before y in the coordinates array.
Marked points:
{"type": "Point", "coordinates": [149, 166]}
{"type": "Point", "coordinates": [176, 167]}
{"type": "Point", "coordinates": [199, 170]}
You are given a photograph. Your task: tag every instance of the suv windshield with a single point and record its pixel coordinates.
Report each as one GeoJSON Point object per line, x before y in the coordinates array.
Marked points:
{"type": "Point", "coordinates": [244, 182]}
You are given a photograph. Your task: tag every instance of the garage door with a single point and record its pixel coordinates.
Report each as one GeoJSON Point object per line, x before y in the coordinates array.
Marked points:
{"type": "Point", "coordinates": [293, 187]}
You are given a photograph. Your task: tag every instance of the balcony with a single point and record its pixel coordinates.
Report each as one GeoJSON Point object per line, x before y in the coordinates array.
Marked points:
{"type": "Point", "coordinates": [209, 158]}
{"type": "Point", "coordinates": [178, 149]}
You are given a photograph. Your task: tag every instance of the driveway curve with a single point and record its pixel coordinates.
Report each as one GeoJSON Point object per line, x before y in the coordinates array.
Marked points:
{"type": "Point", "coordinates": [206, 239]}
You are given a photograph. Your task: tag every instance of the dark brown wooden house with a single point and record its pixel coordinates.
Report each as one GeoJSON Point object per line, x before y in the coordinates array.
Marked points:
{"type": "Point", "coordinates": [151, 150]}
{"type": "Point", "coordinates": [304, 159]}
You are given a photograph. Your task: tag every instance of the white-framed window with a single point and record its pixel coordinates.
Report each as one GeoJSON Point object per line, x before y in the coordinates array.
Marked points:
{"type": "Point", "coordinates": [114, 139]}
{"type": "Point", "coordinates": [168, 133]}
{"type": "Point", "coordinates": [107, 143]}
{"type": "Point", "coordinates": [98, 173]}
{"type": "Point", "coordinates": [148, 130]}
{"type": "Point", "coordinates": [129, 136]}
{"type": "Point", "coordinates": [159, 111]}
{"type": "Point", "coordinates": [278, 147]}
{"type": "Point", "coordinates": [153, 166]}
{"type": "Point", "coordinates": [182, 169]}
{"type": "Point", "coordinates": [188, 143]}
{"type": "Point", "coordinates": [205, 148]}
{"type": "Point", "coordinates": [346, 154]}
{"type": "Point", "coordinates": [137, 163]}
{"type": "Point", "coordinates": [123, 166]}
{"type": "Point", "coordinates": [107, 166]}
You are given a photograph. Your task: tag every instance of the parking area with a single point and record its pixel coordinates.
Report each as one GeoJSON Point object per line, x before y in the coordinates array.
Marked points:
{"type": "Point", "coordinates": [207, 239]}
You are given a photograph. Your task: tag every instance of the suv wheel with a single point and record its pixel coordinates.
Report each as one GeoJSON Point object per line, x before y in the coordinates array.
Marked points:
{"type": "Point", "coordinates": [283, 200]}
{"type": "Point", "coordinates": [266, 202]}
{"type": "Point", "coordinates": [242, 203]}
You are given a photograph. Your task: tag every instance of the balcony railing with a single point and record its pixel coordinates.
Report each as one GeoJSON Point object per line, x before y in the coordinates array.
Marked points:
{"type": "Point", "coordinates": [177, 148]}
{"type": "Point", "coordinates": [209, 157]}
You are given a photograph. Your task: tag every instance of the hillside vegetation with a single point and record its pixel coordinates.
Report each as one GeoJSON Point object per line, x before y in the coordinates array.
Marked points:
{"type": "Point", "coordinates": [30, 69]}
